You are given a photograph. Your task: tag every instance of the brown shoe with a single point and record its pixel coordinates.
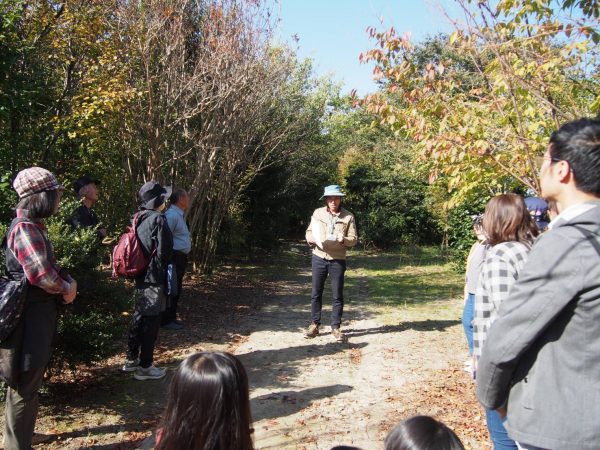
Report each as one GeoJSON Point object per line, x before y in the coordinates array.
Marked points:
{"type": "Point", "coordinates": [313, 331]}
{"type": "Point", "coordinates": [338, 335]}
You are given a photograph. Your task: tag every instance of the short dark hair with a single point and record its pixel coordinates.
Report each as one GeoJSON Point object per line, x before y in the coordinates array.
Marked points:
{"type": "Point", "coordinates": [39, 205]}
{"type": "Point", "coordinates": [177, 195]}
{"type": "Point", "coordinates": [208, 405]}
{"type": "Point", "coordinates": [578, 143]}
{"type": "Point", "coordinates": [507, 219]}
{"type": "Point", "coordinates": [422, 433]}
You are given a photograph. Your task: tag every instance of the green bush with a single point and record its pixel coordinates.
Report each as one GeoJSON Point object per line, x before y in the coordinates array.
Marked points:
{"type": "Point", "coordinates": [3, 230]}
{"type": "Point", "coordinates": [460, 231]}
{"type": "Point", "coordinates": [389, 206]}
{"type": "Point", "coordinates": [89, 329]}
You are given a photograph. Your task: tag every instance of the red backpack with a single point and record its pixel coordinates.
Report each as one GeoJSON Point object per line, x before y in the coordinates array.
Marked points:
{"type": "Point", "coordinates": [128, 257]}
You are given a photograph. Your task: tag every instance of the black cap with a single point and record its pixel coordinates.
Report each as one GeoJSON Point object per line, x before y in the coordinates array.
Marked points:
{"type": "Point", "coordinates": [152, 195]}
{"type": "Point", "coordinates": [83, 181]}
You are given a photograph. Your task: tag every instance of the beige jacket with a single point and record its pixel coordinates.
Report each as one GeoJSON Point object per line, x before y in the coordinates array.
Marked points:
{"type": "Point", "coordinates": [344, 225]}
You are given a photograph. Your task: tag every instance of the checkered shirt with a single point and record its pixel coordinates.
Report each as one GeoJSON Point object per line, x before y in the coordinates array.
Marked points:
{"type": "Point", "coordinates": [498, 273]}
{"type": "Point", "coordinates": [29, 242]}
{"type": "Point", "coordinates": [33, 180]}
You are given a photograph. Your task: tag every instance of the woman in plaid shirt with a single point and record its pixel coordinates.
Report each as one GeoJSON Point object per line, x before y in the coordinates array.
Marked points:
{"type": "Point", "coordinates": [26, 352]}
{"type": "Point", "coordinates": [510, 232]}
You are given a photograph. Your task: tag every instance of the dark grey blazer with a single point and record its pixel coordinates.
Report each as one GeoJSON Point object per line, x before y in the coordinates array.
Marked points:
{"type": "Point", "coordinates": [542, 354]}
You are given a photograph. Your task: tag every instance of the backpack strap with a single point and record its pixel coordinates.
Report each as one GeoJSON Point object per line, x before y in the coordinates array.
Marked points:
{"type": "Point", "coordinates": [14, 223]}
{"type": "Point", "coordinates": [15, 262]}
{"type": "Point", "coordinates": [135, 220]}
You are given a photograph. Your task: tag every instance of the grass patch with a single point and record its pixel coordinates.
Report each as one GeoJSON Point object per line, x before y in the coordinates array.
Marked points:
{"type": "Point", "coordinates": [406, 278]}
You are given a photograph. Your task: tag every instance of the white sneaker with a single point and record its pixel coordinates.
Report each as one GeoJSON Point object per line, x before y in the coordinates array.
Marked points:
{"type": "Point", "coordinates": [149, 373]}
{"type": "Point", "coordinates": [131, 365]}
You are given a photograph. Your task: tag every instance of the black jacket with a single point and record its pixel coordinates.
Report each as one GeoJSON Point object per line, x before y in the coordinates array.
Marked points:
{"type": "Point", "coordinates": [83, 217]}
{"type": "Point", "coordinates": [154, 235]}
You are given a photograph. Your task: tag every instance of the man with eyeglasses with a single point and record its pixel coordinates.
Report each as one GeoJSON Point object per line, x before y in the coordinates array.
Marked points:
{"type": "Point", "coordinates": [541, 361]}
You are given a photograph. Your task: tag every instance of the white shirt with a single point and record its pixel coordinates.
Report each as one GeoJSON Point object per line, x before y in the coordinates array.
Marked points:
{"type": "Point", "coordinates": [571, 212]}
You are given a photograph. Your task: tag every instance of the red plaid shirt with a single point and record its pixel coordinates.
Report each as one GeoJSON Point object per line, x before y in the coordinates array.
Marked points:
{"type": "Point", "coordinates": [29, 242]}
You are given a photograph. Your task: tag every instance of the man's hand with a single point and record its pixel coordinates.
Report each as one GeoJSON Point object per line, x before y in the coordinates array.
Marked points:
{"type": "Point", "coordinates": [502, 412]}
{"type": "Point", "coordinates": [70, 296]}
{"type": "Point", "coordinates": [340, 238]}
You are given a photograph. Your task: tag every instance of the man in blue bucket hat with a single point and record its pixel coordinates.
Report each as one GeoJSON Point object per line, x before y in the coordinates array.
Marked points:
{"type": "Point", "coordinates": [331, 231]}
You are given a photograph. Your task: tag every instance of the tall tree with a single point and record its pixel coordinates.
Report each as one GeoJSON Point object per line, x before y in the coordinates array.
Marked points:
{"type": "Point", "coordinates": [493, 115]}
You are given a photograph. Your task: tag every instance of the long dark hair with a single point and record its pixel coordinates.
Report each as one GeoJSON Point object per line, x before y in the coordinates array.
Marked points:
{"type": "Point", "coordinates": [422, 433]}
{"type": "Point", "coordinates": [39, 205]}
{"type": "Point", "coordinates": [208, 405]}
{"type": "Point", "coordinates": [506, 219]}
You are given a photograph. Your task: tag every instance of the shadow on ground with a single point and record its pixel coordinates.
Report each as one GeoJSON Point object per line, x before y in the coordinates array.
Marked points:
{"type": "Point", "coordinates": [286, 403]}
{"type": "Point", "coordinates": [266, 294]}
{"type": "Point", "coordinates": [419, 325]}
{"type": "Point", "coordinates": [277, 368]}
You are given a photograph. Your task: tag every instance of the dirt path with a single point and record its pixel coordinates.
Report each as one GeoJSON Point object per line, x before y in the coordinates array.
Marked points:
{"type": "Point", "coordinates": [403, 357]}
{"type": "Point", "coordinates": [315, 394]}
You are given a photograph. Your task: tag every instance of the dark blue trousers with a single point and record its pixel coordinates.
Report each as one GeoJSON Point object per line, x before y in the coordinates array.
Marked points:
{"type": "Point", "coordinates": [321, 268]}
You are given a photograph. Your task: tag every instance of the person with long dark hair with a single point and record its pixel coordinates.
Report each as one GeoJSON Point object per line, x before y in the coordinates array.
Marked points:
{"type": "Point", "coordinates": [422, 433]}
{"type": "Point", "coordinates": [208, 406]}
{"type": "Point", "coordinates": [24, 355]}
{"type": "Point", "coordinates": [509, 232]}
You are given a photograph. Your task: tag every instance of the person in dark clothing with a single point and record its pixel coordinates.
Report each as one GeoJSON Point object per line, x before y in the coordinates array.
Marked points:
{"type": "Point", "coordinates": [150, 298]}
{"type": "Point", "coordinates": [83, 217]}
{"type": "Point", "coordinates": [25, 353]}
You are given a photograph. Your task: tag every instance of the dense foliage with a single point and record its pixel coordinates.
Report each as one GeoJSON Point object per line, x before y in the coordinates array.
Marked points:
{"type": "Point", "coordinates": [482, 105]}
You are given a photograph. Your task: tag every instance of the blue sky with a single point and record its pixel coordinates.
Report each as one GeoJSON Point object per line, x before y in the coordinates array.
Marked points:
{"type": "Point", "coordinates": [332, 32]}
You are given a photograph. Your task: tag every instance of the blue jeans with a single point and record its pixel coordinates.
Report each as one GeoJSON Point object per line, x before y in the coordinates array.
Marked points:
{"type": "Point", "coordinates": [335, 268]}
{"type": "Point", "coordinates": [497, 431]}
{"type": "Point", "coordinates": [467, 319]}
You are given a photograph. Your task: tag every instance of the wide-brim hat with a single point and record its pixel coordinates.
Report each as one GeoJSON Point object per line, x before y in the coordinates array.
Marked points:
{"type": "Point", "coordinates": [82, 182]}
{"type": "Point", "coordinates": [333, 190]}
{"type": "Point", "coordinates": [35, 179]}
{"type": "Point", "coordinates": [152, 195]}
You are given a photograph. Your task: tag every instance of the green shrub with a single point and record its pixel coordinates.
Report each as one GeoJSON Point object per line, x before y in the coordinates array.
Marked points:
{"type": "Point", "coordinates": [3, 230]}
{"type": "Point", "coordinates": [8, 198]}
{"type": "Point", "coordinates": [460, 231]}
{"type": "Point", "coordinates": [389, 206]}
{"type": "Point", "coordinates": [89, 329]}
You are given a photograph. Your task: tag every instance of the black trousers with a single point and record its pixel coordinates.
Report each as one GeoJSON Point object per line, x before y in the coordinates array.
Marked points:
{"type": "Point", "coordinates": [321, 268]}
{"type": "Point", "coordinates": [180, 260]}
{"type": "Point", "coordinates": [22, 409]}
{"type": "Point", "coordinates": [143, 332]}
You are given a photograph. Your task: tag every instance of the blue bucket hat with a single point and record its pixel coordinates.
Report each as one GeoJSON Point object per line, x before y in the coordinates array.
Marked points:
{"type": "Point", "coordinates": [333, 190]}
